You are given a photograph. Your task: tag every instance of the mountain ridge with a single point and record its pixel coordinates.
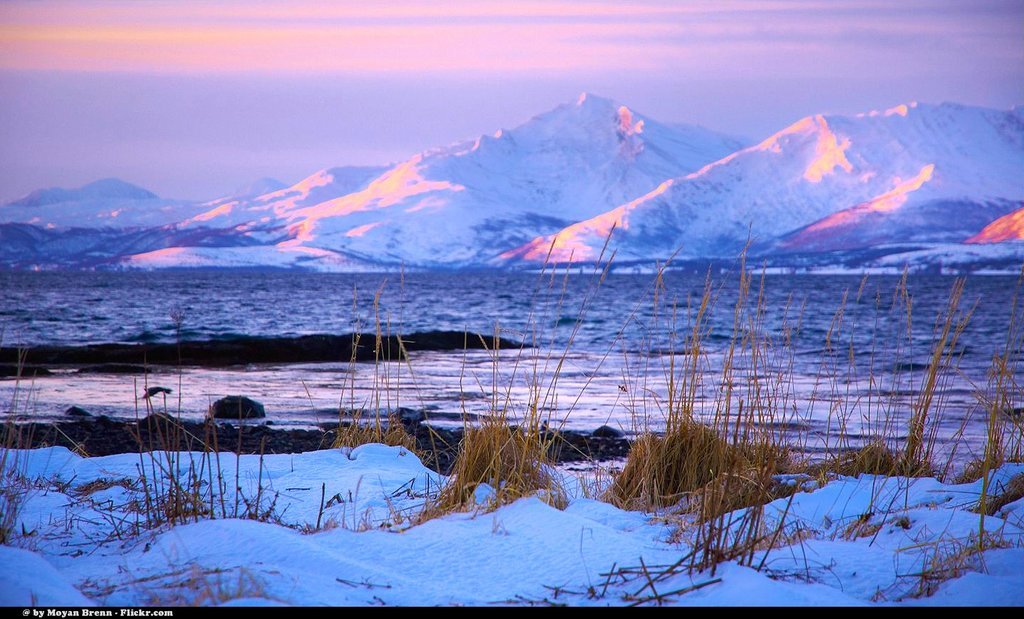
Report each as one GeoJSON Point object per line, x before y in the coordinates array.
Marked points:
{"type": "Point", "coordinates": [915, 177]}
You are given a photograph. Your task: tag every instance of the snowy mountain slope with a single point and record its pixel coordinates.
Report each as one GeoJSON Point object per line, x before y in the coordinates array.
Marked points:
{"type": "Point", "coordinates": [1006, 228]}
{"type": "Point", "coordinates": [107, 203]}
{"type": "Point", "coordinates": [103, 189]}
{"type": "Point", "coordinates": [1005, 257]}
{"type": "Point", "coordinates": [271, 208]}
{"type": "Point", "coordinates": [919, 221]}
{"type": "Point", "coordinates": [466, 203]}
{"type": "Point", "coordinates": [106, 221]}
{"type": "Point", "coordinates": [258, 187]}
{"type": "Point", "coordinates": [939, 172]}
{"type": "Point", "coordinates": [24, 246]}
{"type": "Point", "coordinates": [262, 256]}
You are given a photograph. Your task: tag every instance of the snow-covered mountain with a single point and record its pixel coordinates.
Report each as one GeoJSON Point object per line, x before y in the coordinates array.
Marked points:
{"type": "Point", "coordinates": [464, 204]}
{"type": "Point", "coordinates": [911, 174]}
{"type": "Point", "coordinates": [915, 183]}
{"type": "Point", "coordinates": [1006, 228]}
{"type": "Point", "coordinates": [270, 210]}
{"type": "Point", "coordinates": [103, 189]}
{"type": "Point", "coordinates": [107, 203]}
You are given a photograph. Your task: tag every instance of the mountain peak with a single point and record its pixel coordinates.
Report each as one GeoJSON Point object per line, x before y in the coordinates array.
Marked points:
{"type": "Point", "coordinates": [259, 187]}
{"type": "Point", "coordinates": [897, 110]}
{"type": "Point", "coordinates": [103, 189]}
{"type": "Point", "coordinates": [589, 100]}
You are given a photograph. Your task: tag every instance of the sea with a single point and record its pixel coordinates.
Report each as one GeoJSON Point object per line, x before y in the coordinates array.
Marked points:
{"type": "Point", "coordinates": [827, 360]}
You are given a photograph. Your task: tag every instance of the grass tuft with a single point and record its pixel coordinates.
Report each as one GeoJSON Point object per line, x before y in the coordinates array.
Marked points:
{"type": "Point", "coordinates": [391, 432]}
{"type": "Point", "coordinates": [663, 470]}
{"type": "Point", "coordinates": [875, 458]}
{"type": "Point", "coordinates": [514, 461]}
{"type": "Point", "coordinates": [1011, 492]}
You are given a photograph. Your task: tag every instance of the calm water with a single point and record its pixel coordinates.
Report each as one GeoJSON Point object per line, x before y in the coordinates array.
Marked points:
{"type": "Point", "coordinates": [830, 363]}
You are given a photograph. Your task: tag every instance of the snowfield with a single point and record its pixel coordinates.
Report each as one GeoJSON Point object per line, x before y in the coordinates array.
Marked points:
{"type": "Point", "coordinates": [81, 538]}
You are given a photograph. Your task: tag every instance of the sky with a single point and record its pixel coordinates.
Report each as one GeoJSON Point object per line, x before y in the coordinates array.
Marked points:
{"type": "Point", "coordinates": [193, 99]}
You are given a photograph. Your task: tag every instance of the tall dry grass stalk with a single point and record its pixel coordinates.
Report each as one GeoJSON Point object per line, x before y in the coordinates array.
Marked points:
{"type": "Point", "coordinates": [513, 462]}
{"type": "Point", "coordinates": [727, 413]}
{"type": "Point", "coordinates": [1004, 407]}
{"type": "Point", "coordinates": [716, 455]}
{"type": "Point", "coordinates": [511, 449]}
{"type": "Point", "coordinates": [916, 458]}
{"type": "Point", "coordinates": [14, 485]}
{"type": "Point", "coordinates": [666, 467]}
{"type": "Point", "coordinates": [384, 425]}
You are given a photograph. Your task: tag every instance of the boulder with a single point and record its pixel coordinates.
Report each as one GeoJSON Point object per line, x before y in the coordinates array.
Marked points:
{"type": "Point", "coordinates": [607, 432]}
{"type": "Point", "coordinates": [411, 416]}
{"type": "Point", "coordinates": [237, 407]}
{"type": "Point", "coordinates": [77, 411]}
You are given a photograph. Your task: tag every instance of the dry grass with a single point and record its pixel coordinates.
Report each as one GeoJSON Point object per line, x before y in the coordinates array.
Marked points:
{"type": "Point", "coordinates": [917, 452]}
{"type": "Point", "coordinates": [1012, 491]}
{"type": "Point", "coordinates": [13, 484]}
{"type": "Point", "coordinates": [514, 462]}
{"type": "Point", "coordinates": [99, 485]}
{"type": "Point", "coordinates": [179, 487]}
{"type": "Point", "coordinates": [949, 558]}
{"type": "Point", "coordinates": [875, 458]}
{"type": "Point", "coordinates": [196, 586]}
{"type": "Point", "coordinates": [511, 449]}
{"type": "Point", "coordinates": [1004, 390]}
{"type": "Point", "coordinates": [354, 433]}
{"type": "Point", "coordinates": [693, 462]}
{"type": "Point", "coordinates": [721, 472]}
{"type": "Point", "coordinates": [972, 471]}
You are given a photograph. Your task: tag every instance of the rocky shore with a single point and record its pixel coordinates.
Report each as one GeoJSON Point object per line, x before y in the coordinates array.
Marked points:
{"type": "Point", "coordinates": [99, 435]}
{"type": "Point", "coordinates": [103, 436]}
{"type": "Point", "coordinates": [320, 348]}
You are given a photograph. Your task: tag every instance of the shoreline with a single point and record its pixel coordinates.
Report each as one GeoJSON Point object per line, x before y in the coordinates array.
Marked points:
{"type": "Point", "coordinates": [103, 436]}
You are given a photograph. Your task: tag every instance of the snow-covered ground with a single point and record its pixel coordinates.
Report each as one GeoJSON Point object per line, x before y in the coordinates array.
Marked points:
{"type": "Point", "coordinates": [81, 538]}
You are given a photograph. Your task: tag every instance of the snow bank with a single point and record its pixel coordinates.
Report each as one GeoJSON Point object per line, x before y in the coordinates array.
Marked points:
{"type": "Point", "coordinates": [851, 542]}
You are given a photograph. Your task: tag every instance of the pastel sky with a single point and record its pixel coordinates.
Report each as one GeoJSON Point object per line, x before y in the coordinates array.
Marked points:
{"type": "Point", "coordinates": [191, 99]}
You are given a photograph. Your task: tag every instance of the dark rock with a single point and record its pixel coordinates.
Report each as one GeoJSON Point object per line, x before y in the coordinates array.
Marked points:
{"type": "Point", "coordinates": [607, 432]}
{"type": "Point", "coordinates": [237, 407]}
{"type": "Point", "coordinates": [77, 411]}
{"type": "Point", "coordinates": [244, 350]}
{"type": "Point", "coordinates": [154, 419]}
{"type": "Point", "coordinates": [14, 370]}
{"type": "Point", "coordinates": [102, 436]}
{"type": "Point", "coordinates": [411, 416]}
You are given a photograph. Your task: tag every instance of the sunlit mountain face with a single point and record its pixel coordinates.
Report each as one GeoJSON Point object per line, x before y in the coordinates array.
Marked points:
{"type": "Point", "coordinates": [592, 175]}
{"type": "Point", "coordinates": [463, 204]}
{"type": "Point", "coordinates": [912, 174]}
{"type": "Point", "coordinates": [1006, 228]}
